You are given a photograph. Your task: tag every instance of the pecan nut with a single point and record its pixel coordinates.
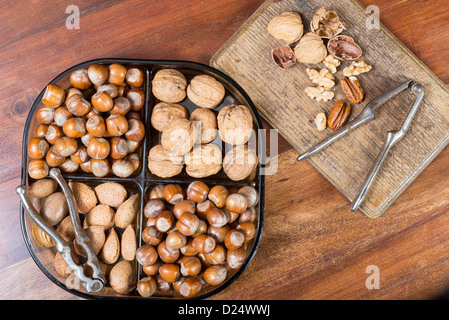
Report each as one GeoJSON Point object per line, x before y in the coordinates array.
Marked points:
{"type": "Point", "coordinates": [352, 89]}
{"type": "Point", "coordinates": [338, 115]}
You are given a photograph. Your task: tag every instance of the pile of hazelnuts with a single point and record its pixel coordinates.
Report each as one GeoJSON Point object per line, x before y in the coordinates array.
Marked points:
{"type": "Point", "coordinates": [95, 125]}
{"type": "Point", "coordinates": [195, 237]}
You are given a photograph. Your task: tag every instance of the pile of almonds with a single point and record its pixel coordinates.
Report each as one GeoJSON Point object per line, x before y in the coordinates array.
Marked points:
{"type": "Point", "coordinates": [95, 125]}
{"type": "Point", "coordinates": [108, 214]}
{"type": "Point", "coordinates": [194, 237]}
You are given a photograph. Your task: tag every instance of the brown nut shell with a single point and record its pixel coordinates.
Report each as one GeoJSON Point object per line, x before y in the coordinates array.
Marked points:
{"type": "Point", "coordinates": [310, 49]}
{"type": "Point", "coordinates": [287, 26]}
{"type": "Point", "coordinates": [203, 161]}
{"type": "Point", "coordinates": [169, 85]}
{"type": "Point", "coordinates": [180, 136]}
{"type": "Point", "coordinates": [208, 122]}
{"type": "Point", "coordinates": [235, 124]}
{"type": "Point", "coordinates": [163, 164]}
{"type": "Point", "coordinates": [326, 23]}
{"type": "Point", "coordinates": [284, 57]}
{"type": "Point", "coordinates": [344, 48]}
{"type": "Point", "coordinates": [240, 162]}
{"type": "Point", "coordinates": [352, 89]}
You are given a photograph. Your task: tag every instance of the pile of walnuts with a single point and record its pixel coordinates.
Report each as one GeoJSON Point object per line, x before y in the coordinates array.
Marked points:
{"type": "Point", "coordinates": [194, 140]}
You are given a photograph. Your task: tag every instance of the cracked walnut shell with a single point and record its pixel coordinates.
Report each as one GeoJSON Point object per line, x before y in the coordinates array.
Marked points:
{"type": "Point", "coordinates": [205, 91]}
{"type": "Point", "coordinates": [326, 23]}
{"type": "Point", "coordinates": [203, 161]}
{"type": "Point", "coordinates": [169, 85]}
{"type": "Point", "coordinates": [164, 113]}
{"type": "Point", "coordinates": [180, 136]}
{"type": "Point", "coordinates": [163, 164]}
{"type": "Point", "coordinates": [287, 27]}
{"type": "Point", "coordinates": [310, 49]}
{"type": "Point", "coordinates": [240, 162]}
{"type": "Point", "coordinates": [235, 124]}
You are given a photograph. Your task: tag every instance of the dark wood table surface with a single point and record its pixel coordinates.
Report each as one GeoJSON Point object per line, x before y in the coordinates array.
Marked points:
{"type": "Point", "coordinates": [312, 247]}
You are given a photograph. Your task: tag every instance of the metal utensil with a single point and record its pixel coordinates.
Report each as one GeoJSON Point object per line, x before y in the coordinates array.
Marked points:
{"type": "Point", "coordinates": [97, 281]}
{"type": "Point", "coordinates": [392, 137]}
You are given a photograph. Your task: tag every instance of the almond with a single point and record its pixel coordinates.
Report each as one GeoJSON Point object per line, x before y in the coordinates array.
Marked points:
{"type": "Point", "coordinates": [121, 277]}
{"type": "Point", "coordinates": [42, 188]}
{"type": "Point", "coordinates": [100, 215]}
{"type": "Point", "coordinates": [111, 193]}
{"type": "Point", "coordinates": [97, 238]}
{"type": "Point", "coordinates": [127, 212]}
{"type": "Point", "coordinates": [129, 244]}
{"type": "Point", "coordinates": [84, 195]}
{"type": "Point", "coordinates": [111, 248]}
{"type": "Point", "coordinates": [42, 239]}
{"type": "Point", "coordinates": [66, 230]}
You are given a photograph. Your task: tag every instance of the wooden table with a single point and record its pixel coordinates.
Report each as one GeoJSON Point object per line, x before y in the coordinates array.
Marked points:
{"type": "Point", "coordinates": [313, 247]}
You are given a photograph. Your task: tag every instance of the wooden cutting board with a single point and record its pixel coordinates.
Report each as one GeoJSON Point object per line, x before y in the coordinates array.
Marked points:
{"type": "Point", "coordinates": [280, 97]}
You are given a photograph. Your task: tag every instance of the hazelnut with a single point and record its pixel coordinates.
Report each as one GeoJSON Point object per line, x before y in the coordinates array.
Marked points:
{"type": "Point", "coordinates": [102, 101]}
{"type": "Point", "coordinates": [197, 191]}
{"type": "Point", "coordinates": [53, 158]}
{"type": "Point", "coordinates": [235, 124]}
{"type": "Point", "coordinates": [62, 114]}
{"type": "Point", "coordinates": [239, 163]}
{"type": "Point", "coordinates": [136, 98]}
{"type": "Point", "coordinates": [164, 113]}
{"type": "Point", "coordinates": [66, 146]}
{"type": "Point", "coordinates": [146, 255]}
{"type": "Point", "coordinates": [77, 105]}
{"type": "Point", "coordinates": [235, 258]}
{"type": "Point", "coordinates": [203, 243]}
{"type": "Point", "coordinates": [286, 26]}
{"type": "Point", "coordinates": [146, 286]}
{"type": "Point", "coordinates": [310, 49]}
{"type": "Point", "coordinates": [152, 236]}
{"type": "Point", "coordinates": [100, 167]}
{"type": "Point", "coordinates": [234, 239]}
{"type": "Point", "coordinates": [190, 266]}
{"type": "Point", "coordinates": [173, 193]}
{"type": "Point", "coordinates": [116, 124]}
{"type": "Point", "coordinates": [98, 148]}
{"type": "Point", "coordinates": [53, 96]}
{"type": "Point", "coordinates": [37, 148]}
{"type": "Point", "coordinates": [250, 194]}
{"type": "Point", "coordinates": [153, 208]}
{"type": "Point", "coordinates": [218, 195]}
{"type": "Point", "coordinates": [175, 240]}
{"type": "Point", "coordinates": [121, 105]}
{"type": "Point", "coordinates": [205, 91]}
{"type": "Point", "coordinates": [80, 79]}
{"type": "Point", "coordinates": [215, 275]}
{"type": "Point", "coordinates": [97, 74]}
{"type": "Point", "coordinates": [53, 133]}
{"type": "Point", "coordinates": [208, 122]}
{"type": "Point", "coordinates": [169, 85]}
{"type": "Point", "coordinates": [136, 130]}
{"type": "Point", "coordinates": [69, 166]}
{"type": "Point", "coordinates": [190, 287]}
{"type": "Point", "coordinates": [188, 223]}
{"type": "Point", "coordinates": [122, 168]}
{"type": "Point", "coordinates": [169, 272]}
{"type": "Point", "coordinates": [165, 221]}
{"type": "Point", "coordinates": [163, 164]}
{"type": "Point", "coordinates": [119, 148]}
{"type": "Point", "coordinates": [134, 77]}
{"type": "Point", "coordinates": [217, 217]}
{"type": "Point", "coordinates": [45, 114]}
{"type": "Point", "coordinates": [203, 161]}
{"type": "Point", "coordinates": [236, 202]}
{"type": "Point", "coordinates": [38, 169]}
{"type": "Point", "coordinates": [182, 207]}
{"type": "Point", "coordinates": [117, 74]}
{"type": "Point", "coordinates": [167, 254]}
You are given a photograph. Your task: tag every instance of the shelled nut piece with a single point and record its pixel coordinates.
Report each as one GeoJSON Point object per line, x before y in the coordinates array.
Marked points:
{"type": "Point", "coordinates": [326, 23]}
{"type": "Point", "coordinates": [240, 162]}
{"type": "Point", "coordinates": [338, 115]}
{"type": "Point", "coordinates": [320, 121]}
{"type": "Point", "coordinates": [205, 91]}
{"type": "Point", "coordinates": [203, 161]}
{"type": "Point", "coordinates": [235, 124]}
{"type": "Point", "coordinates": [319, 93]}
{"type": "Point", "coordinates": [322, 78]}
{"type": "Point", "coordinates": [164, 164]}
{"type": "Point", "coordinates": [352, 89]}
{"type": "Point", "coordinates": [163, 113]}
{"type": "Point", "coordinates": [356, 68]}
{"type": "Point", "coordinates": [208, 122]}
{"type": "Point", "coordinates": [169, 85]}
{"type": "Point", "coordinates": [310, 49]}
{"type": "Point", "coordinates": [331, 63]}
{"type": "Point", "coordinates": [286, 26]}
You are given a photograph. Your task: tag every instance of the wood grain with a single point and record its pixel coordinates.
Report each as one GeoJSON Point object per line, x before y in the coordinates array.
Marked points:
{"type": "Point", "coordinates": [280, 97]}
{"type": "Point", "coordinates": [324, 250]}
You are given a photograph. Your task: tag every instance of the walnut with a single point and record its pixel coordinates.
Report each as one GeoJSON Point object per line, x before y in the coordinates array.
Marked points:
{"type": "Point", "coordinates": [287, 27]}
{"type": "Point", "coordinates": [319, 93]}
{"type": "Point", "coordinates": [344, 48]}
{"type": "Point", "coordinates": [164, 164]}
{"type": "Point", "coordinates": [322, 78]}
{"type": "Point", "coordinates": [356, 68]}
{"type": "Point", "coordinates": [331, 63]}
{"type": "Point", "coordinates": [320, 121]}
{"type": "Point", "coordinates": [208, 122]}
{"type": "Point", "coordinates": [180, 136]}
{"type": "Point", "coordinates": [240, 162]}
{"type": "Point", "coordinates": [205, 91]}
{"type": "Point", "coordinates": [235, 124]}
{"type": "Point", "coordinates": [310, 49]}
{"type": "Point", "coordinates": [164, 113]}
{"type": "Point", "coordinates": [169, 85]}
{"type": "Point", "coordinates": [326, 24]}
{"type": "Point", "coordinates": [203, 161]}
